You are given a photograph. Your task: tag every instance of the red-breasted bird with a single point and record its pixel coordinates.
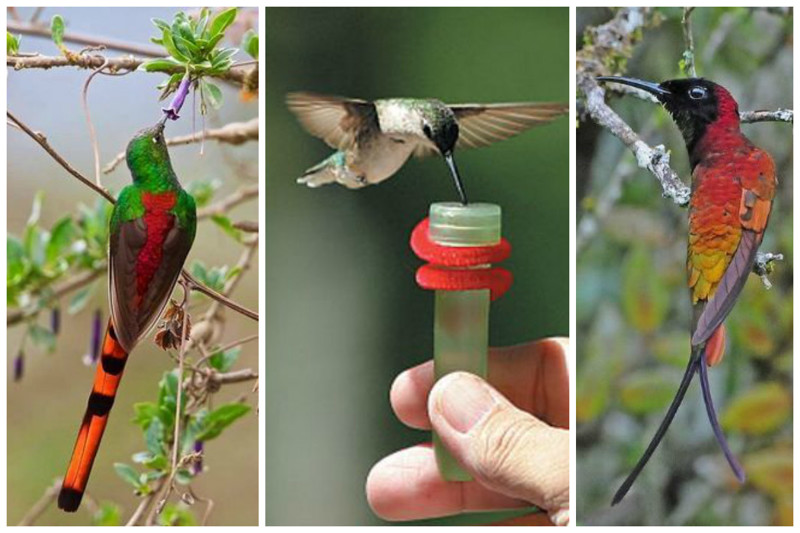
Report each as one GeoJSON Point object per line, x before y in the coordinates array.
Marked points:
{"type": "Point", "coordinates": [151, 231]}
{"type": "Point", "coordinates": [733, 184]}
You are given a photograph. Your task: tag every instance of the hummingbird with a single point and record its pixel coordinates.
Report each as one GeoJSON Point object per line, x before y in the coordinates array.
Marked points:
{"type": "Point", "coordinates": [151, 230]}
{"type": "Point", "coordinates": [733, 186]}
{"type": "Point", "coordinates": [374, 139]}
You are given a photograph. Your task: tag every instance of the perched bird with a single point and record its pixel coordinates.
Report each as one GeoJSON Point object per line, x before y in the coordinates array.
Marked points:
{"type": "Point", "coordinates": [374, 139]}
{"type": "Point", "coordinates": [151, 231]}
{"type": "Point", "coordinates": [733, 184]}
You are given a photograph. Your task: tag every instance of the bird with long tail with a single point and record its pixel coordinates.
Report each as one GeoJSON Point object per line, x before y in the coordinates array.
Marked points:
{"type": "Point", "coordinates": [374, 139]}
{"type": "Point", "coordinates": [733, 185]}
{"type": "Point", "coordinates": [152, 228]}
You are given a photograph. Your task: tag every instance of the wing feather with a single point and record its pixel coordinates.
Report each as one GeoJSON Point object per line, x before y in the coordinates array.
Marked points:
{"type": "Point", "coordinates": [483, 124]}
{"type": "Point", "coordinates": [336, 120]}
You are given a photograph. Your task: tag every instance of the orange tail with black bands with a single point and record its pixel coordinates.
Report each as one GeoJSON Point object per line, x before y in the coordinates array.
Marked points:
{"type": "Point", "coordinates": [106, 381]}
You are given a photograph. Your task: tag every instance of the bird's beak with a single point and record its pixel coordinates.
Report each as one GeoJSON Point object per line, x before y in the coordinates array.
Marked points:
{"type": "Point", "coordinates": [448, 156]}
{"type": "Point", "coordinates": [162, 122]}
{"type": "Point", "coordinates": [648, 86]}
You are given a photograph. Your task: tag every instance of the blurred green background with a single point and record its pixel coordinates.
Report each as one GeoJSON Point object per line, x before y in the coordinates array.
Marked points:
{"type": "Point", "coordinates": [344, 315]}
{"type": "Point", "coordinates": [45, 407]}
{"type": "Point", "coordinates": [633, 308]}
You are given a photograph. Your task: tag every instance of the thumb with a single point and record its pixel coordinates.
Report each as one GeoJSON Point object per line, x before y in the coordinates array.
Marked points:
{"type": "Point", "coordinates": [506, 449]}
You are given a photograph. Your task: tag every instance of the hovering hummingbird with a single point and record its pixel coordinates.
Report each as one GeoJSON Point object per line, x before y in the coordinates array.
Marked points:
{"type": "Point", "coordinates": [374, 139]}
{"type": "Point", "coordinates": [152, 229]}
{"type": "Point", "coordinates": [733, 185]}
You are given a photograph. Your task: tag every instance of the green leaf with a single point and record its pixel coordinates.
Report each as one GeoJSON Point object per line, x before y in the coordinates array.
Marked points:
{"type": "Point", "coordinates": [57, 30]}
{"type": "Point", "coordinates": [162, 64]}
{"type": "Point", "coordinates": [220, 418]}
{"type": "Point", "coordinates": [169, 44]}
{"type": "Point", "coordinates": [154, 437]}
{"type": "Point", "coordinates": [645, 297]}
{"type": "Point", "coordinates": [42, 337]}
{"type": "Point", "coordinates": [160, 24]}
{"type": "Point", "coordinates": [12, 44]}
{"type": "Point", "coordinates": [227, 226]}
{"type": "Point", "coordinates": [188, 47]}
{"type": "Point", "coordinates": [203, 190]}
{"type": "Point", "coordinates": [646, 392]}
{"type": "Point", "coordinates": [250, 43]}
{"type": "Point", "coordinates": [763, 409]}
{"type": "Point", "coordinates": [107, 514]}
{"type": "Point", "coordinates": [15, 260]}
{"type": "Point", "coordinates": [79, 300]}
{"type": "Point", "coordinates": [36, 209]}
{"type": "Point", "coordinates": [145, 412]}
{"type": "Point", "coordinates": [176, 515]}
{"type": "Point", "coordinates": [224, 361]}
{"type": "Point", "coordinates": [183, 476]}
{"type": "Point", "coordinates": [128, 474]}
{"type": "Point", "coordinates": [222, 21]}
{"type": "Point", "coordinates": [212, 94]}
{"type": "Point", "coordinates": [60, 238]}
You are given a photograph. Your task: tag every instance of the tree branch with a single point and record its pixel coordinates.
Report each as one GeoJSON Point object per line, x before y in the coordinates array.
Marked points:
{"type": "Point", "coordinates": [43, 30]}
{"type": "Point", "coordinates": [232, 133]}
{"type": "Point", "coordinates": [240, 76]}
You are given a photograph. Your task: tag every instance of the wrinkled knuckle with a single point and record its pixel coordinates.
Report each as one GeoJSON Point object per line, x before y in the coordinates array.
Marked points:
{"type": "Point", "coordinates": [500, 449]}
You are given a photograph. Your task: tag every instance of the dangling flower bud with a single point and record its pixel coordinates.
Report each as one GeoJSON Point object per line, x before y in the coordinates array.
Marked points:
{"type": "Point", "coordinates": [19, 365]}
{"type": "Point", "coordinates": [55, 320]}
{"type": "Point", "coordinates": [91, 357]}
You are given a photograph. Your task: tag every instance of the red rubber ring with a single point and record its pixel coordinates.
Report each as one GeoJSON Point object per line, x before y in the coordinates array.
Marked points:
{"type": "Point", "coordinates": [449, 267]}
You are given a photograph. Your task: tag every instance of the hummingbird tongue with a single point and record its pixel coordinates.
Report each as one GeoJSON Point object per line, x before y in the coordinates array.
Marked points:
{"type": "Point", "coordinates": [454, 171]}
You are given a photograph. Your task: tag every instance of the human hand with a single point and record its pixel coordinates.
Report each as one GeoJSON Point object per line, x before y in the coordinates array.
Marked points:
{"type": "Point", "coordinates": [513, 438]}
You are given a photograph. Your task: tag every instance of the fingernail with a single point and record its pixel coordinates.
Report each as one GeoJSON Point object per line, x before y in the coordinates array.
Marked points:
{"type": "Point", "coordinates": [464, 401]}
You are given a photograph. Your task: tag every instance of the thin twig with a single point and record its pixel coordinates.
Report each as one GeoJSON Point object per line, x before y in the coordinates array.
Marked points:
{"type": "Point", "coordinates": [689, 67]}
{"type": "Point", "coordinates": [233, 133]}
{"type": "Point", "coordinates": [41, 505]}
{"type": "Point", "coordinates": [92, 133]}
{"type": "Point", "coordinates": [234, 199]}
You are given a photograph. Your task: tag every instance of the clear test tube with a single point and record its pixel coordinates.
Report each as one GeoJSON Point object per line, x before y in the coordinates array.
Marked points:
{"type": "Point", "coordinates": [461, 318]}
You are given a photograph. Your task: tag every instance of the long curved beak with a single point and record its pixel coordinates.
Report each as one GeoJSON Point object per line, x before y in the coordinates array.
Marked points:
{"type": "Point", "coordinates": [456, 177]}
{"type": "Point", "coordinates": [653, 88]}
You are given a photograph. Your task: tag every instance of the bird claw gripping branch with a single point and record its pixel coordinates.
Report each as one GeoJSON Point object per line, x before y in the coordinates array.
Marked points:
{"type": "Point", "coordinates": [453, 268]}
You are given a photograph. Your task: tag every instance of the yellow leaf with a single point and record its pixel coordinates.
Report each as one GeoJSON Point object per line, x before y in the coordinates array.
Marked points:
{"type": "Point", "coordinates": [761, 410]}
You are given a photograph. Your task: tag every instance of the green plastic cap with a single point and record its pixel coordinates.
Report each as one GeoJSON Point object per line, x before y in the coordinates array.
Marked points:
{"type": "Point", "coordinates": [456, 224]}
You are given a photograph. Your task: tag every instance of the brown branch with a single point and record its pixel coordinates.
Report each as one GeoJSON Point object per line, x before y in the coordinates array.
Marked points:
{"type": "Point", "coordinates": [689, 67]}
{"type": "Point", "coordinates": [42, 140]}
{"type": "Point", "coordinates": [42, 30]}
{"type": "Point", "coordinates": [232, 133]}
{"type": "Point", "coordinates": [237, 376]}
{"type": "Point", "coordinates": [42, 504]}
{"type": "Point", "coordinates": [196, 285]}
{"type": "Point", "coordinates": [115, 64]}
{"type": "Point", "coordinates": [229, 202]}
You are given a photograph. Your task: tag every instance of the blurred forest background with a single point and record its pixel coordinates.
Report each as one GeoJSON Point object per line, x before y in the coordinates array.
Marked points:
{"type": "Point", "coordinates": [46, 404]}
{"type": "Point", "coordinates": [344, 315]}
{"type": "Point", "coordinates": [633, 309]}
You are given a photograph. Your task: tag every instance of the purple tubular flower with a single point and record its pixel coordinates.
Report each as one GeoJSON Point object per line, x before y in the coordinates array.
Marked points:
{"type": "Point", "coordinates": [19, 365]}
{"type": "Point", "coordinates": [197, 466]}
{"type": "Point", "coordinates": [177, 101]}
{"type": "Point", "coordinates": [94, 349]}
{"type": "Point", "coordinates": [55, 320]}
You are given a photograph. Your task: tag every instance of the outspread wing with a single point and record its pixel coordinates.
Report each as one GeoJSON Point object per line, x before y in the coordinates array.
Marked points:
{"type": "Point", "coordinates": [134, 314]}
{"type": "Point", "coordinates": [483, 124]}
{"type": "Point", "coordinates": [337, 121]}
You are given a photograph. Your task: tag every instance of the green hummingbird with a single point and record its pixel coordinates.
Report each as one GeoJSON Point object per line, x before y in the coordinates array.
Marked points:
{"type": "Point", "coordinates": [374, 139]}
{"type": "Point", "coordinates": [151, 230]}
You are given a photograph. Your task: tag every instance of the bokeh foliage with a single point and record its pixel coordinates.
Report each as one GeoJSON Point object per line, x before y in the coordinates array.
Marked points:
{"type": "Point", "coordinates": [633, 309]}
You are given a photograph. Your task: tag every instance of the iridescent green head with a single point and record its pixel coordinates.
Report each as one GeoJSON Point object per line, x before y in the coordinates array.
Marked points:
{"type": "Point", "coordinates": [147, 156]}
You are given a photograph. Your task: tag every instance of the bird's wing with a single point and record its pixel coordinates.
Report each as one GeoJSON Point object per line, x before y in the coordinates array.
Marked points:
{"type": "Point", "coordinates": [133, 313]}
{"type": "Point", "coordinates": [483, 124]}
{"type": "Point", "coordinates": [755, 205]}
{"type": "Point", "coordinates": [337, 121]}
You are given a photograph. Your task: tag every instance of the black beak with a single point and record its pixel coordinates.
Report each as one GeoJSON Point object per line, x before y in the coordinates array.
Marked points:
{"type": "Point", "coordinates": [648, 86]}
{"type": "Point", "coordinates": [162, 122]}
{"type": "Point", "coordinates": [448, 156]}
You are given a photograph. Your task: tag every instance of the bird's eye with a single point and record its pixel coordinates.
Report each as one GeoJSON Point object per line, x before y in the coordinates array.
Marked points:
{"type": "Point", "coordinates": [697, 93]}
{"type": "Point", "coordinates": [426, 129]}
